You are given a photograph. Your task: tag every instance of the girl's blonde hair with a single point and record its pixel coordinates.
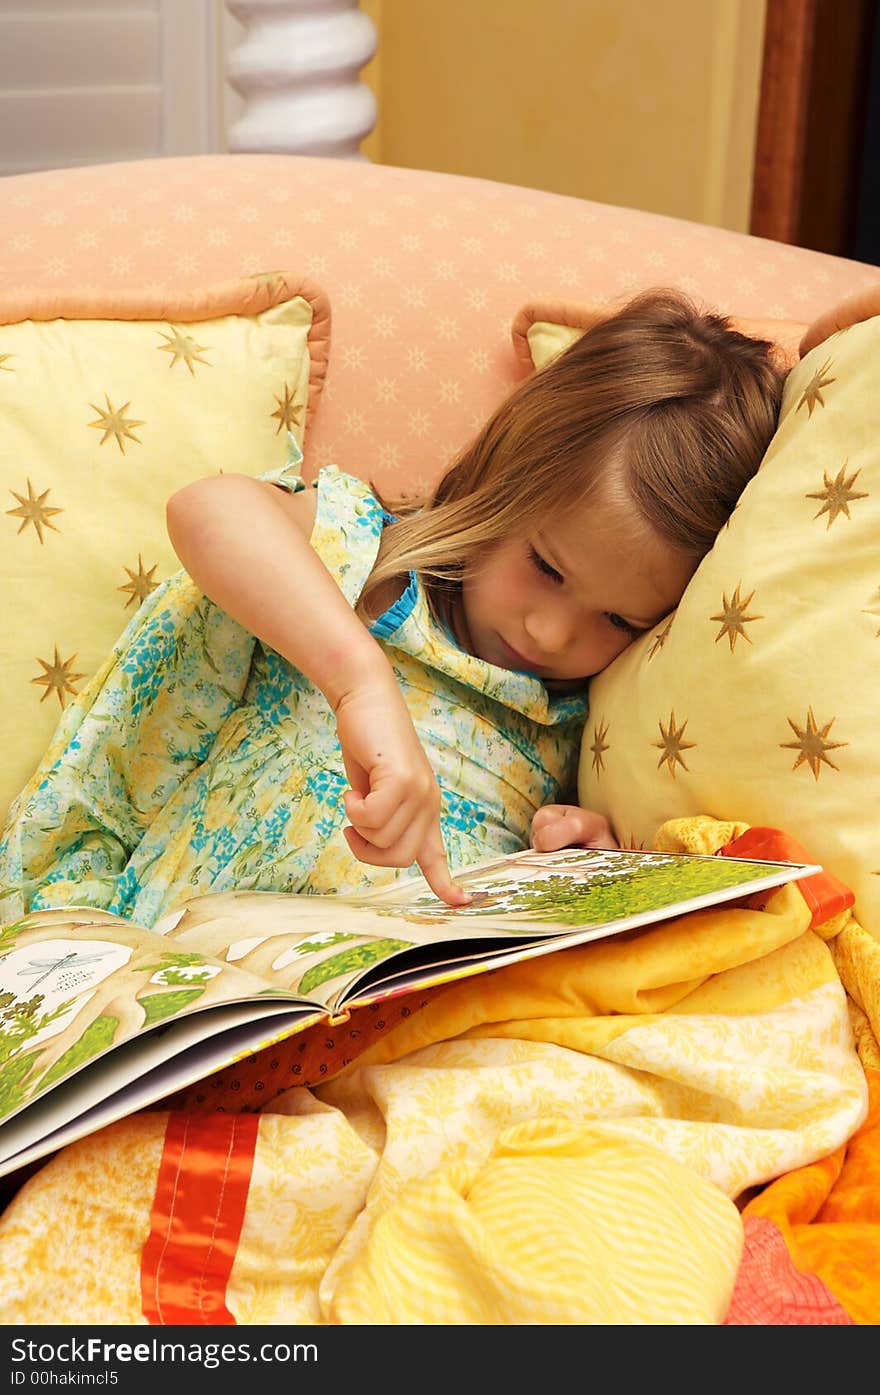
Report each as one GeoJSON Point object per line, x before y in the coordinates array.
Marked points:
{"type": "Point", "coordinates": [666, 402]}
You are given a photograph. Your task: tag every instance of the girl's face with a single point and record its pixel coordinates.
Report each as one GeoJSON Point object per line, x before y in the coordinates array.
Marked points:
{"type": "Point", "coordinates": [564, 599]}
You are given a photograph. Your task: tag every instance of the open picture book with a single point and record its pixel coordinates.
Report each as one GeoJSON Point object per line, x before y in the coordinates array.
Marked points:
{"type": "Point", "coordinates": [100, 1017]}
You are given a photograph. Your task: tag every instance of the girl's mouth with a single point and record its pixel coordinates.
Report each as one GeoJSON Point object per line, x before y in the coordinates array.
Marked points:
{"type": "Point", "coordinates": [512, 659]}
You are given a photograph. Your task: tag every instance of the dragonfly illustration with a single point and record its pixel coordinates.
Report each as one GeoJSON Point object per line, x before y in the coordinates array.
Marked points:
{"type": "Point", "coordinates": [46, 967]}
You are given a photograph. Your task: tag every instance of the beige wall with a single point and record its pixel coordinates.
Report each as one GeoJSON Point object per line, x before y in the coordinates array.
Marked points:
{"type": "Point", "coordinates": [647, 103]}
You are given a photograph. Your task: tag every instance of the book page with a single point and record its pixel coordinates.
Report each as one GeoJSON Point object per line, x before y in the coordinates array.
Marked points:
{"type": "Point", "coordinates": [314, 946]}
{"type": "Point", "coordinates": [543, 902]}
{"type": "Point", "coordinates": [334, 948]}
{"type": "Point", "coordinates": [76, 983]}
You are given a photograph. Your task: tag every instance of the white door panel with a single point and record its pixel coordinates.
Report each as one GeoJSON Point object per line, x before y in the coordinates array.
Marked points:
{"type": "Point", "coordinates": [91, 81]}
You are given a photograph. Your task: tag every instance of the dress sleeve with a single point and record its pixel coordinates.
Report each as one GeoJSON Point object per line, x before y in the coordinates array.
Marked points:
{"type": "Point", "coordinates": [288, 475]}
{"type": "Point", "coordinates": [348, 520]}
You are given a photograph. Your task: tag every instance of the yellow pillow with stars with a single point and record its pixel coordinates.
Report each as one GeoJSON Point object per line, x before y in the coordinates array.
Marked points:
{"type": "Point", "coordinates": [758, 699]}
{"type": "Point", "coordinates": [107, 407]}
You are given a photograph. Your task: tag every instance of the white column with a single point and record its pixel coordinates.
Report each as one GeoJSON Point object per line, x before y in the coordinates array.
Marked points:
{"type": "Point", "coordinates": [296, 68]}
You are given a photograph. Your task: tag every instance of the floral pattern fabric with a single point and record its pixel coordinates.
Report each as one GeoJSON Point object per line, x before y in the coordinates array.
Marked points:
{"type": "Point", "coordinates": [198, 759]}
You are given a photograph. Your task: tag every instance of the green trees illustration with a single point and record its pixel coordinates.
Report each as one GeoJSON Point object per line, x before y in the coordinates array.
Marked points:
{"type": "Point", "coordinates": [359, 957]}
{"type": "Point", "coordinates": [631, 886]}
{"type": "Point", "coordinates": [20, 1021]}
{"type": "Point", "coordinates": [607, 896]}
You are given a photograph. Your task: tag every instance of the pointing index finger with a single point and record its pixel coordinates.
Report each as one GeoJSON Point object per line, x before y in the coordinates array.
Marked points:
{"type": "Point", "coordinates": [435, 870]}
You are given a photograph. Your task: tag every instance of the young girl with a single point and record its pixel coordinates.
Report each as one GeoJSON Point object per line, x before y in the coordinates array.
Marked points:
{"type": "Point", "coordinates": [331, 692]}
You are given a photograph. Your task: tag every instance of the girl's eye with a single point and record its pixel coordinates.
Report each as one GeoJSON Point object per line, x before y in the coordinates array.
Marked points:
{"type": "Point", "coordinates": [540, 564]}
{"type": "Point", "coordinates": [620, 624]}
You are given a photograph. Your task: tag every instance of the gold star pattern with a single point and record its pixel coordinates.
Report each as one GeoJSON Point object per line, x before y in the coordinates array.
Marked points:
{"type": "Point", "coordinates": [182, 347]}
{"type": "Point", "coordinates": [33, 509]}
{"type": "Point", "coordinates": [4, 365]}
{"type": "Point", "coordinates": [599, 746]}
{"type": "Point", "coordinates": [812, 394]}
{"type": "Point", "coordinates": [114, 422]}
{"type": "Point", "coordinates": [57, 677]}
{"type": "Point", "coordinates": [837, 493]}
{"type": "Point", "coordinates": [812, 744]}
{"type": "Point", "coordinates": [734, 617]}
{"type": "Point", "coordinates": [139, 584]}
{"type": "Point", "coordinates": [288, 413]}
{"type": "Point", "coordinates": [661, 638]}
{"type": "Point", "coordinates": [874, 607]}
{"type": "Point", "coordinates": [671, 745]}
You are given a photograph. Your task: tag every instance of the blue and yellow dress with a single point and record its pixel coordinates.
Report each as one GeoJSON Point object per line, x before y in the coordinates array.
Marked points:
{"type": "Point", "coordinates": [199, 760]}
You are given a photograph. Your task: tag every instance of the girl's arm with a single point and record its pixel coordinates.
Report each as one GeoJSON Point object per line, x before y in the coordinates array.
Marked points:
{"type": "Point", "coordinates": [245, 543]}
{"type": "Point", "coordinates": [570, 826]}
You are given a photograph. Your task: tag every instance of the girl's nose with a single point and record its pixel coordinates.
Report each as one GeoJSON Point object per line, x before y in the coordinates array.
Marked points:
{"type": "Point", "coordinates": [549, 628]}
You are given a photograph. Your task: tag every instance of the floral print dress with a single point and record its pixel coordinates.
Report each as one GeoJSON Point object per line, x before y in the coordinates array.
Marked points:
{"type": "Point", "coordinates": [198, 760]}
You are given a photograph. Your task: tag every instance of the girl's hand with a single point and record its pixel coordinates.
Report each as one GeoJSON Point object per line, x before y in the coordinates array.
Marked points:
{"type": "Point", "coordinates": [569, 826]}
{"type": "Point", "coordinates": [394, 801]}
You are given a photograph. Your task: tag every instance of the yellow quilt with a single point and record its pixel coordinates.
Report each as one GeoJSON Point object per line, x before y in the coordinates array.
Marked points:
{"type": "Point", "coordinates": [582, 1138]}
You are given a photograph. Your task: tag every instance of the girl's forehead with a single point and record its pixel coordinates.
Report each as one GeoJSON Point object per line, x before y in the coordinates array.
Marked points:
{"type": "Point", "coordinates": [611, 512]}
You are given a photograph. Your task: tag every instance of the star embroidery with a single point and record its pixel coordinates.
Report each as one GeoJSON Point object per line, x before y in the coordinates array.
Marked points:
{"type": "Point", "coordinates": [837, 493]}
{"type": "Point", "coordinates": [874, 607]}
{"type": "Point", "coordinates": [599, 746]}
{"type": "Point", "coordinates": [34, 510]}
{"type": "Point", "coordinates": [4, 365]}
{"type": "Point", "coordinates": [734, 617]}
{"type": "Point", "coordinates": [288, 413]}
{"type": "Point", "coordinates": [671, 745]}
{"type": "Point", "coordinates": [812, 393]}
{"type": "Point", "coordinates": [57, 677]}
{"type": "Point", "coordinates": [661, 638]}
{"type": "Point", "coordinates": [114, 422]}
{"type": "Point", "coordinates": [182, 346]}
{"type": "Point", "coordinates": [139, 584]}
{"type": "Point", "coordinates": [811, 744]}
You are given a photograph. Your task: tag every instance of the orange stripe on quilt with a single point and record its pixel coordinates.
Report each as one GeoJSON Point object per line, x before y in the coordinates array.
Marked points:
{"type": "Point", "coordinates": [198, 1212]}
{"type": "Point", "coordinates": [770, 1291]}
{"type": "Point", "coordinates": [825, 894]}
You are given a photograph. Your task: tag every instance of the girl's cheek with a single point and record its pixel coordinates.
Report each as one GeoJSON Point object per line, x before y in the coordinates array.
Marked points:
{"type": "Point", "coordinates": [623, 644]}
{"type": "Point", "coordinates": [605, 652]}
